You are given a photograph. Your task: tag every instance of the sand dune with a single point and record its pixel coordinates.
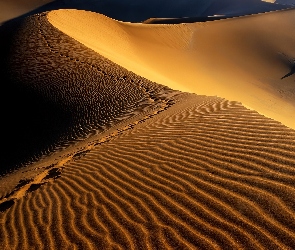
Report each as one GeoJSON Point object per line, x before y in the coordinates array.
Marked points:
{"type": "Point", "coordinates": [242, 59]}
{"type": "Point", "coordinates": [204, 174]}
{"type": "Point", "coordinates": [62, 91]}
{"type": "Point", "coordinates": [115, 156]}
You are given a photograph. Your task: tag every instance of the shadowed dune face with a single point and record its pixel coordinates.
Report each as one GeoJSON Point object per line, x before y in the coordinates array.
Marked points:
{"type": "Point", "coordinates": [204, 174]}
{"type": "Point", "coordinates": [243, 59]}
{"type": "Point", "coordinates": [55, 91]}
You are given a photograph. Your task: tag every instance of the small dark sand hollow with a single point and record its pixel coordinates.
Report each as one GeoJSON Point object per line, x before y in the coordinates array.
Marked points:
{"type": "Point", "coordinates": [53, 173]}
{"type": "Point", "coordinates": [6, 205]}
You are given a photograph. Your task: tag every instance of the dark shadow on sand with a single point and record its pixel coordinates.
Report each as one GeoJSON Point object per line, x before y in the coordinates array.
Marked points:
{"type": "Point", "coordinates": [184, 19]}
{"type": "Point", "coordinates": [29, 123]}
{"type": "Point", "coordinates": [290, 73]}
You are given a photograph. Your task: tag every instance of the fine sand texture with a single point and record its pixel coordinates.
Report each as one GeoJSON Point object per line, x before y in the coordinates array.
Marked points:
{"type": "Point", "coordinates": [247, 59]}
{"type": "Point", "coordinates": [62, 91]}
{"type": "Point", "coordinates": [206, 173]}
{"type": "Point", "coordinates": [111, 151]}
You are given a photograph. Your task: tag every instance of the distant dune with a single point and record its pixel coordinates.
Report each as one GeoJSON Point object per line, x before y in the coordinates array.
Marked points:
{"type": "Point", "coordinates": [140, 10]}
{"type": "Point", "coordinates": [120, 135]}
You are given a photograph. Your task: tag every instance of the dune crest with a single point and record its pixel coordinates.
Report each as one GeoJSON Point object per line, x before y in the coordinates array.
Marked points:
{"type": "Point", "coordinates": [242, 59]}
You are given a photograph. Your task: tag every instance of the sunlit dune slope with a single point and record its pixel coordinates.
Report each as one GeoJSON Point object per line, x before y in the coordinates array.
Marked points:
{"type": "Point", "coordinates": [243, 59]}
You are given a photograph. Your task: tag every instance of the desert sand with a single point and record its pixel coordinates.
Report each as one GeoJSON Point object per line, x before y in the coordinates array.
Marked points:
{"type": "Point", "coordinates": [122, 135]}
{"type": "Point", "coordinates": [242, 59]}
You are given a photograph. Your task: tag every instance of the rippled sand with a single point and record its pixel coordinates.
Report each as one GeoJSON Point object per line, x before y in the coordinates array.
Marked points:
{"type": "Point", "coordinates": [110, 159]}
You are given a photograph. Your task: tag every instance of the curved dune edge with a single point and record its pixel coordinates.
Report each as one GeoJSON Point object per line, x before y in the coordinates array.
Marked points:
{"type": "Point", "coordinates": [240, 59]}
{"type": "Point", "coordinates": [64, 92]}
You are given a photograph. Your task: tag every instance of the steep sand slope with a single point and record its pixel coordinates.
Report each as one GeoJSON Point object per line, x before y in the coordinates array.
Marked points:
{"type": "Point", "coordinates": [56, 91]}
{"type": "Point", "coordinates": [243, 59]}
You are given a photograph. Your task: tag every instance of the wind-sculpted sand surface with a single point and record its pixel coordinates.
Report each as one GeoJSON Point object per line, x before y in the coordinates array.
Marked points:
{"type": "Point", "coordinates": [205, 173]}
{"type": "Point", "coordinates": [249, 59]}
{"type": "Point", "coordinates": [107, 159]}
{"type": "Point", "coordinates": [63, 91]}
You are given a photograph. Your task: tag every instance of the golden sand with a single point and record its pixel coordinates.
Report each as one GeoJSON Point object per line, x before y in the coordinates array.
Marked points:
{"type": "Point", "coordinates": [128, 163]}
{"type": "Point", "coordinates": [241, 59]}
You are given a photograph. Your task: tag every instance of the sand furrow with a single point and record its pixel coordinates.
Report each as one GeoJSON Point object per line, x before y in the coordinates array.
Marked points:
{"type": "Point", "coordinates": [220, 202]}
{"type": "Point", "coordinates": [161, 194]}
{"type": "Point", "coordinates": [257, 163]}
{"type": "Point", "coordinates": [271, 185]}
{"type": "Point", "coordinates": [119, 211]}
{"type": "Point", "coordinates": [200, 202]}
{"type": "Point", "coordinates": [262, 130]}
{"type": "Point", "coordinates": [144, 194]}
{"type": "Point", "coordinates": [30, 211]}
{"type": "Point", "coordinates": [106, 185]}
{"type": "Point", "coordinates": [189, 204]}
{"type": "Point", "coordinates": [159, 188]}
{"type": "Point", "coordinates": [39, 206]}
{"type": "Point", "coordinates": [56, 231]}
{"type": "Point", "coordinates": [72, 217]}
{"type": "Point", "coordinates": [112, 198]}
{"type": "Point", "coordinates": [21, 225]}
{"type": "Point", "coordinates": [146, 209]}
{"type": "Point", "coordinates": [173, 241]}
{"type": "Point", "coordinates": [9, 228]}
{"type": "Point", "coordinates": [258, 146]}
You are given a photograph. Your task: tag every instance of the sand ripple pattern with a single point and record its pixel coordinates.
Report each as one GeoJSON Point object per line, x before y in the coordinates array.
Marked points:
{"type": "Point", "coordinates": [63, 92]}
{"type": "Point", "coordinates": [204, 174]}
